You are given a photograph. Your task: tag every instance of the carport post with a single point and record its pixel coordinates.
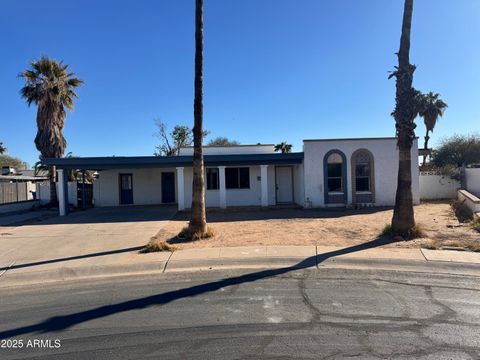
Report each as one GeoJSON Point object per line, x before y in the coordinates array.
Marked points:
{"type": "Point", "coordinates": [264, 183]}
{"type": "Point", "coordinates": [62, 193]}
{"type": "Point", "coordinates": [83, 190]}
{"type": "Point", "coordinates": [180, 189]}
{"type": "Point", "coordinates": [223, 191]}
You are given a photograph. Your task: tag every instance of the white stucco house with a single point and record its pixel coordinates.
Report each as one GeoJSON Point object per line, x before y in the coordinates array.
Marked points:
{"type": "Point", "coordinates": [328, 173]}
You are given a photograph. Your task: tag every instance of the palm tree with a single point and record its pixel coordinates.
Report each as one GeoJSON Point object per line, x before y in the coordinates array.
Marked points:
{"type": "Point", "coordinates": [283, 147]}
{"type": "Point", "coordinates": [431, 107]}
{"type": "Point", "coordinates": [3, 149]}
{"type": "Point", "coordinates": [50, 86]}
{"type": "Point", "coordinates": [198, 223]}
{"type": "Point", "coordinates": [403, 221]}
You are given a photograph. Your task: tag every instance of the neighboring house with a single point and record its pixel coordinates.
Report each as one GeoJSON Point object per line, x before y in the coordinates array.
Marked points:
{"type": "Point", "coordinates": [328, 173]}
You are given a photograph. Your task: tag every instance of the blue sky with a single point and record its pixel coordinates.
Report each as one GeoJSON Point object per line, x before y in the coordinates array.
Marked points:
{"type": "Point", "coordinates": [274, 69]}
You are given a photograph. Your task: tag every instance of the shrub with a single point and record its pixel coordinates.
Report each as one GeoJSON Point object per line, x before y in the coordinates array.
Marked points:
{"type": "Point", "coordinates": [156, 245]}
{"type": "Point", "coordinates": [186, 235]}
{"type": "Point", "coordinates": [462, 212]}
{"type": "Point", "coordinates": [476, 224]}
{"type": "Point", "coordinates": [414, 233]}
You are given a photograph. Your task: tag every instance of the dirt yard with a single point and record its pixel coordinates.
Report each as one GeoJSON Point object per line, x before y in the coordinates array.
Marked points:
{"type": "Point", "coordinates": [343, 228]}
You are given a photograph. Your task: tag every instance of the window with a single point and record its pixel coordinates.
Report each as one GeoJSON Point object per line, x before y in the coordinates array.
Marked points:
{"type": "Point", "coordinates": [212, 179]}
{"type": "Point", "coordinates": [362, 172]}
{"type": "Point", "coordinates": [237, 178]}
{"type": "Point", "coordinates": [335, 173]}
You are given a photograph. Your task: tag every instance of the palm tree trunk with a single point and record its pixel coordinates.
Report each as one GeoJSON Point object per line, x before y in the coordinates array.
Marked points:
{"type": "Point", "coordinates": [403, 216]}
{"type": "Point", "coordinates": [403, 219]}
{"type": "Point", "coordinates": [52, 170]}
{"type": "Point", "coordinates": [425, 148]}
{"type": "Point", "coordinates": [198, 222]}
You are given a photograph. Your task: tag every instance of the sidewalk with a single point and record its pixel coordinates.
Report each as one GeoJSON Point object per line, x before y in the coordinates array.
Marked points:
{"type": "Point", "coordinates": [120, 263]}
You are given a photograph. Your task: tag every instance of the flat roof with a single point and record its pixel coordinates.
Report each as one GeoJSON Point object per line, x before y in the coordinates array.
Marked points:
{"type": "Point", "coordinates": [357, 139]}
{"type": "Point", "coordinates": [228, 146]}
{"type": "Point", "coordinates": [121, 162]}
{"type": "Point", "coordinates": [354, 139]}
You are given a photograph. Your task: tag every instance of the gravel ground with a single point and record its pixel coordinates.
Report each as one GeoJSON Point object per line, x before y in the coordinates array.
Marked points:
{"type": "Point", "coordinates": [248, 227]}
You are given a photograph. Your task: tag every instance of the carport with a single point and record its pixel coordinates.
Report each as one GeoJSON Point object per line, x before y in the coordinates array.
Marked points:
{"type": "Point", "coordinates": [262, 163]}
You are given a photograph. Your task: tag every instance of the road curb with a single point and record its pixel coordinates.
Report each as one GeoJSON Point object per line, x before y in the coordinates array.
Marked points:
{"type": "Point", "coordinates": [13, 278]}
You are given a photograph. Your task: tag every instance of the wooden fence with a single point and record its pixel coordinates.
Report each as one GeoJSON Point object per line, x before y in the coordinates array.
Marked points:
{"type": "Point", "coordinates": [13, 192]}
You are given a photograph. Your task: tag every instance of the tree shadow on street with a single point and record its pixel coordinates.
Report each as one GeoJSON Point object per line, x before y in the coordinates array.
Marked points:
{"type": "Point", "coordinates": [59, 323]}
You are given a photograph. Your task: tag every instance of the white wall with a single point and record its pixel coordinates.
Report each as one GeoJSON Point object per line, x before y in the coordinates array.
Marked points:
{"type": "Point", "coordinates": [147, 186]}
{"type": "Point", "coordinates": [434, 187]}
{"type": "Point", "coordinates": [473, 180]}
{"type": "Point", "coordinates": [43, 192]}
{"type": "Point", "coordinates": [298, 185]}
{"type": "Point", "coordinates": [385, 155]}
{"type": "Point", "coordinates": [231, 150]}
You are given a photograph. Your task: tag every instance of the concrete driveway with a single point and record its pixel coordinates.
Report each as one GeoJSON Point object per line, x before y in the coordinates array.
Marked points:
{"type": "Point", "coordinates": [92, 234]}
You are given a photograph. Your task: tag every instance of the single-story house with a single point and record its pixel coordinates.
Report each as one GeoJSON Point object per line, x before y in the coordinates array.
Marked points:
{"type": "Point", "coordinates": [328, 173]}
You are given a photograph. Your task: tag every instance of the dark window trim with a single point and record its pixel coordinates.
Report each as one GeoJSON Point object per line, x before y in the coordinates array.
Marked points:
{"type": "Point", "coordinates": [371, 175]}
{"type": "Point", "coordinates": [238, 178]}
{"type": "Point", "coordinates": [343, 177]}
{"type": "Point", "coordinates": [218, 178]}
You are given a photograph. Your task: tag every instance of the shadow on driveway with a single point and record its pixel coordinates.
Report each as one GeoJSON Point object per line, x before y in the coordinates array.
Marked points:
{"type": "Point", "coordinates": [113, 215]}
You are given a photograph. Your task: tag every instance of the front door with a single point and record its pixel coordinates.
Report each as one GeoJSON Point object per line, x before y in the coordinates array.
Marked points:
{"type": "Point", "coordinates": [284, 185]}
{"type": "Point", "coordinates": [126, 189]}
{"type": "Point", "coordinates": [168, 187]}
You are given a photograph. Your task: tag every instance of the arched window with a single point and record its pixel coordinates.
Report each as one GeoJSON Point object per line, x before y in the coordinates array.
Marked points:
{"type": "Point", "coordinates": [334, 169]}
{"type": "Point", "coordinates": [335, 183]}
{"type": "Point", "coordinates": [363, 177]}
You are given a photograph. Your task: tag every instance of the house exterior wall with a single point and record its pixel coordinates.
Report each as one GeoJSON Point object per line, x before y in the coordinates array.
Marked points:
{"type": "Point", "coordinates": [308, 177]}
{"type": "Point", "coordinates": [235, 197]}
{"type": "Point", "coordinates": [147, 186]}
{"type": "Point", "coordinates": [385, 154]}
{"type": "Point", "coordinates": [298, 185]}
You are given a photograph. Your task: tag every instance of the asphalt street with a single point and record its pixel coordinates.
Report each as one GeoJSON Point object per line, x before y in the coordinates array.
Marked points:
{"type": "Point", "coordinates": [304, 314]}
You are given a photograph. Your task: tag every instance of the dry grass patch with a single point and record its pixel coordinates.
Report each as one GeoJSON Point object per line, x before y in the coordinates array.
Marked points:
{"type": "Point", "coordinates": [416, 232]}
{"type": "Point", "coordinates": [186, 235]}
{"type": "Point", "coordinates": [461, 244]}
{"type": "Point", "coordinates": [339, 228]}
{"type": "Point", "coordinates": [157, 244]}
